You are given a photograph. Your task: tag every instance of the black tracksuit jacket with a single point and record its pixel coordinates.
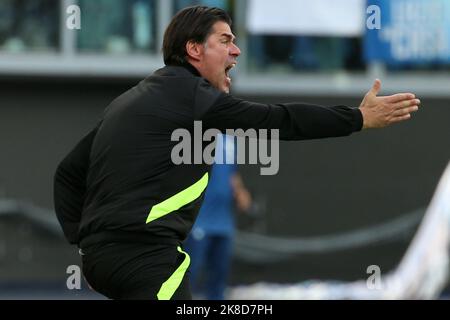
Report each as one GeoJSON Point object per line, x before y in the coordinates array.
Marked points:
{"type": "Point", "coordinates": [105, 188]}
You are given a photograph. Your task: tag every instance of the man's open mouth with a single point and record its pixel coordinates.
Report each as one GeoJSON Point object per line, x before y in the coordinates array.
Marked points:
{"type": "Point", "coordinates": [228, 68]}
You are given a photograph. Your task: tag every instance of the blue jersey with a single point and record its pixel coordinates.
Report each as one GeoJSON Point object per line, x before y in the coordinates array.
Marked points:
{"type": "Point", "coordinates": [216, 213]}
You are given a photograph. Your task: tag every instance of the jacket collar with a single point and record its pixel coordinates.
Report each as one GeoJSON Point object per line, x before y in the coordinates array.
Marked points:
{"type": "Point", "coordinates": [178, 70]}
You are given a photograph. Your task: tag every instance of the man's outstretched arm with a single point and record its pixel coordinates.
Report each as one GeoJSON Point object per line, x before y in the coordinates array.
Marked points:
{"type": "Point", "coordinates": [379, 112]}
{"type": "Point", "coordinates": [298, 121]}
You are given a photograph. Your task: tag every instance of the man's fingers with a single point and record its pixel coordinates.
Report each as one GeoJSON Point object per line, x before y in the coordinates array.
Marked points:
{"type": "Point", "coordinates": [376, 87]}
{"type": "Point", "coordinates": [407, 104]}
{"type": "Point", "coordinates": [405, 111]}
{"type": "Point", "coordinates": [402, 118]}
{"type": "Point", "coordinates": [400, 97]}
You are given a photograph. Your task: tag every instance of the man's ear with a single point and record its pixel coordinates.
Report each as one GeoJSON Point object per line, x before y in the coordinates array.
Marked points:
{"type": "Point", "coordinates": [194, 50]}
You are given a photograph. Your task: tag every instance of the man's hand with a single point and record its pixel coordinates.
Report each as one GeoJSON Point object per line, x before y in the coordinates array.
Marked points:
{"type": "Point", "coordinates": [380, 112]}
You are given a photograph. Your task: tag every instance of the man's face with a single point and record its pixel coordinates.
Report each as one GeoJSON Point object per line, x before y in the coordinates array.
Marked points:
{"type": "Point", "coordinates": [218, 56]}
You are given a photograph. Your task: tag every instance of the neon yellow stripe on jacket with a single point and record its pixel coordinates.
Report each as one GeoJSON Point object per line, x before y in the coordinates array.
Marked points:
{"type": "Point", "coordinates": [171, 285]}
{"type": "Point", "coordinates": [177, 201]}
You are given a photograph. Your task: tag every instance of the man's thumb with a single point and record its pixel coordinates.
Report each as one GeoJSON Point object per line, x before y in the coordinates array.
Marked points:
{"type": "Point", "coordinates": [376, 87]}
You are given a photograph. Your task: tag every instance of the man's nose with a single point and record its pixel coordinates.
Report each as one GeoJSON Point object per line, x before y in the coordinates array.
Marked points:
{"type": "Point", "coordinates": [235, 51]}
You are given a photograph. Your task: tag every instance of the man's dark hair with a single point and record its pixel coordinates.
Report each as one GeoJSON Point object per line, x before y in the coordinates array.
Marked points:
{"type": "Point", "coordinates": [192, 23]}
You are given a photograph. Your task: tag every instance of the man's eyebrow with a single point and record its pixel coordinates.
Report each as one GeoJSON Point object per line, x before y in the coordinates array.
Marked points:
{"type": "Point", "coordinates": [229, 36]}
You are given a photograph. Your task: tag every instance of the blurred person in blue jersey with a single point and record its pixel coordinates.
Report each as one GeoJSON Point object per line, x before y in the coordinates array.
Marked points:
{"type": "Point", "coordinates": [210, 244]}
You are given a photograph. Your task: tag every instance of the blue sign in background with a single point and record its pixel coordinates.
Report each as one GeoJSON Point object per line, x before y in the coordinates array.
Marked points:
{"type": "Point", "coordinates": [411, 32]}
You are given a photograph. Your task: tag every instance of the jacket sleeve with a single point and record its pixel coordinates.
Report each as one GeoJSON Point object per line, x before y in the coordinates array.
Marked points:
{"type": "Point", "coordinates": [295, 121]}
{"type": "Point", "coordinates": [70, 187]}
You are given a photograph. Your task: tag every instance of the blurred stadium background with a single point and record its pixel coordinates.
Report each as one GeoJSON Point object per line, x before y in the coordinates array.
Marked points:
{"type": "Point", "coordinates": [336, 206]}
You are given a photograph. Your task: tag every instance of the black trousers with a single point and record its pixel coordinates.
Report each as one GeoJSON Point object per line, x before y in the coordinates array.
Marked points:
{"type": "Point", "coordinates": [137, 271]}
